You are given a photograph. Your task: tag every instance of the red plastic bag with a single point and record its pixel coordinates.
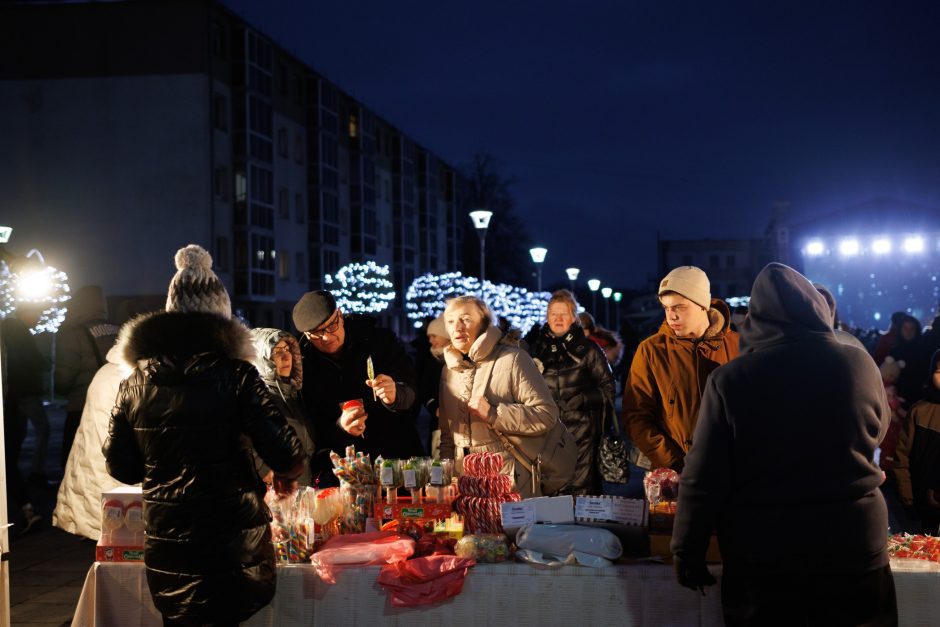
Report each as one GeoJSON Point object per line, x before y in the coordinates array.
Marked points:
{"type": "Point", "coordinates": [378, 547]}
{"type": "Point", "coordinates": [425, 580]}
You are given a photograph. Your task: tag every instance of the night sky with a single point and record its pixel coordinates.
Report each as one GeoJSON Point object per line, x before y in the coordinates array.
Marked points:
{"type": "Point", "coordinates": [622, 118]}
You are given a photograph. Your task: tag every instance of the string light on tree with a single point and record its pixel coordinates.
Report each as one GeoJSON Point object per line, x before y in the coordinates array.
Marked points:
{"type": "Point", "coordinates": [361, 287]}
{"type": "Point", "coordinates": [39, 286]}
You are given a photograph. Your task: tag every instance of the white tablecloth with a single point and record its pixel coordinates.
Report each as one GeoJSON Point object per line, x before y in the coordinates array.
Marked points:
{"type": "Point", "coordinates": [517, 594]}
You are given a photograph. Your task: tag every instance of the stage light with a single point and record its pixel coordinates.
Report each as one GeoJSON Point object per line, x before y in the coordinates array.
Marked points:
{"type": "Point", "coordinates": [881, 246]}
{"type": "Point", "coordinates": [815, 248]}
{"type": "Point", "coordinates": [849, 247]}
{"type": "Point", "coordinates": [913, 244]}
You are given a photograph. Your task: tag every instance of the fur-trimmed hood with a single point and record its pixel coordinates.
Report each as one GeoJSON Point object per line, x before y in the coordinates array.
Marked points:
{"type": "Point", "coordinates": [174, 339]}
{"type": "Point", "coordinates": [265, 339]}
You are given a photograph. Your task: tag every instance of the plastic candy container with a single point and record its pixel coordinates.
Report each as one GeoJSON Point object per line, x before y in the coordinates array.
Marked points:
{"type": "Point", "coordinates": [661, 484]}
{"type": "Point", "coordinates": [484, 547]}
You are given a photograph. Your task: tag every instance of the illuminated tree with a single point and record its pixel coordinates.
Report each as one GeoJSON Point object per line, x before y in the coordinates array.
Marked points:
{"type": "Point", "coordinates": [361, 287]}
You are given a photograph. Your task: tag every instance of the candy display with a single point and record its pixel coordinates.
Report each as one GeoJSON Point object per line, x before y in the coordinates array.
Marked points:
{"type": "Point", "coordinates": [357, 488]}
{"type": "Point", "coordinates": [482, 464]}
{"type": "Point", "coordinates": [123, 527]}
{"type": "Point", "coordinates": [293, 530]}
{"type": "Point", "coordinates": [483, 547]}
{"type": "Point", "coordinates": [661, 484]}
{"type": "Point", "coordinates": [918, 547]}
{"type": "Point", "coordinates": [484, 486]}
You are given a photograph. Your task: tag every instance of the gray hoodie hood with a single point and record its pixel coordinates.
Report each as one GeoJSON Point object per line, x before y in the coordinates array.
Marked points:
{"type": "Point", "coordinates": [784, 307]}
{"type": "Point", "coordinates": [264, 340]}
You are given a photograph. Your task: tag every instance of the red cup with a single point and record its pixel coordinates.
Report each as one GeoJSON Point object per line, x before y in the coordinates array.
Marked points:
{"type": "Point", "coordinates": [353, 404]}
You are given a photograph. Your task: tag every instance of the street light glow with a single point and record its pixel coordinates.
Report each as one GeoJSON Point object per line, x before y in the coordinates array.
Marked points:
{"type": "Point", "coordinates": [607, 291]}
{"type": "Point", "coordinates": [849, 247]}
{"type": "Point", "coordinates": [815, 248]}
{"type": "Point", "coordinates": [573, 273]}
{"type": "Point", "coordinates": [481, 218]}
{"type": "Point", "coordinates": [913, 244]}
{"type": "Point", "coordinates": [881, 246]}
{"type": "Point", "coordinates": [538, 254]}
{"type": "Point", "coordinates": [618, 297]}
{"type": "Point", "coordinates": [33, 285]}
{"type": "Point", "coordinates": [594, 284]}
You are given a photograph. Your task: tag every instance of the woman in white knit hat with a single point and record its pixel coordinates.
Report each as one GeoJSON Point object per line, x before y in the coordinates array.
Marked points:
{"type": "Point", "coordinates": [179, 428]}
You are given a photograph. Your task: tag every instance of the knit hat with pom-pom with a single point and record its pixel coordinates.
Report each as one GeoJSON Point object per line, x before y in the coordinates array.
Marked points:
{"type": "Point", "coordinates": [195, 287]}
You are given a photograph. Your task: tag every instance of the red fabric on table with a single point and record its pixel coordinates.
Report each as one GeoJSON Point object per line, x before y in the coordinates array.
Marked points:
{"type": "Point", "coordinates": [425, 580]}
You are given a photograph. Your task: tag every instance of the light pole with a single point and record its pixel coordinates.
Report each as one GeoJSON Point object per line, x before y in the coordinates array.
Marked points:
{"type": "Point", "coordinates": [617, 298]}
{"type": "Point", "coordinates": [594, 285]}
{"type": "Point", "coordinates": [572, 276]}
{"type": "Point", "coordinates": [606, 292]}
{"type": "Point", "coordinates": [481, 221]}
{"type": "Point", "coordinates": [538, 256]}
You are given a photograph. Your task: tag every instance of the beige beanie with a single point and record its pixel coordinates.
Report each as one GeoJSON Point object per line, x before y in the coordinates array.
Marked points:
{"type": "Point", "coordinates": [195, 287]}
{"type": "Point", "coordinates": [690, 282]}
{"type": "Point", "coordinates": [438, 328]}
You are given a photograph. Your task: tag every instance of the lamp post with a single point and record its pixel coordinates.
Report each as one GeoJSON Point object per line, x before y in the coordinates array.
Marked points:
{"type": "Point", "coordinates": [594, 285]}
{"type": "Point", "coordinates": [481, 221]}
{"type": "Point", "coordinates": [606, 292]}
{"type": "Point", "coordinates": [617, 298]}
{"type": "Point", "coordinates": [538, 257]}
{"type": "Point", "coordinates": [572, 276]}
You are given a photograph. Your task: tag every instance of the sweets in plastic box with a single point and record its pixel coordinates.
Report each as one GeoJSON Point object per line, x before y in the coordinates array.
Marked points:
{"type": "Point", "coordinates": [483, 547]}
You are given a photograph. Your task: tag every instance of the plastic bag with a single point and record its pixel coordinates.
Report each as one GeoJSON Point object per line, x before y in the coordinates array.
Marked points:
{"type": "Point", "coordinates": [378, 547]}
{"type": "Point", "coordinates": [484, 547]}
{"type": "Point", "coordinates": [424, 580]}
{"type": "Point", "coordinates": [562, 540]}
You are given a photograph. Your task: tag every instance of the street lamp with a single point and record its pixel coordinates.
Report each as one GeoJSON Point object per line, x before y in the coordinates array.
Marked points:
{"type": "Point", "coordinates": [617, 298]}
{"type": "Point", "coordinates": [538, 256]}
{"type": "Point", "coordinates": [481, 221]}
{"type": "Point", "coordinates": [572, 276]}
{"type": "Point", "coordinates": [594, 285]}
{"type": "Point", "coordinates": [606, 292]}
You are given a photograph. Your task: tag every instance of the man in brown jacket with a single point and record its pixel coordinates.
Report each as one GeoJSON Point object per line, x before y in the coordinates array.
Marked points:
{"type": "Point", "coordinates": [669, 370]}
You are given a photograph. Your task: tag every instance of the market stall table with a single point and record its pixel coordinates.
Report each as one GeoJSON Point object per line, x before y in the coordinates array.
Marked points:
{"type": "Point", "coordinates": [637, 594]}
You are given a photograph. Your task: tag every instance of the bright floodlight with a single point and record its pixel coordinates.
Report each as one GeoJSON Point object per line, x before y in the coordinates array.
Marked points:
{"type": "Point", "coordinates": [881, 246]}
{"type": "Point", "coordinates": [573, 273]}
{"type": "Point", "coordinates": [594, 284]}
{"type": "Point", "coordinates": [618, 297]}
{"type": "Point", "coordinates": [914, 244]}
{"type": "Point", "coordinates": [849, 247]}
{"type": "Point", "coordinates": [607, 291]}
{"type": "Point", "coordinates": [815, 248]}
{"type": "Point", "coordinates": [481, 218]}
{"type": "Point", "coordinates": [5, 233]}
{"type": "Point", "coordinates": [538, 254]}
{"type": "Point", "coordinates": [34, 285]}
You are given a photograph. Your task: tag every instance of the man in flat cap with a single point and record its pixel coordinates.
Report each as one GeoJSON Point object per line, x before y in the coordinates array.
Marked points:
{"type": "Point", "coordinates": [669, 370]}
{"type": "Point", "coordinates": [336, 349]}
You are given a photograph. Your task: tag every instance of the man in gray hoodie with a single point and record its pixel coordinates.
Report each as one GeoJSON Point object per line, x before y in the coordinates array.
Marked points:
{"type": "Point", "coordinates": [783, 447]}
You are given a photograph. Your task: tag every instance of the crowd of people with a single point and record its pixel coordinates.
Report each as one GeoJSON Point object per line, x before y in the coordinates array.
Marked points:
{"type": "Point", "coordinates": [773, 419]}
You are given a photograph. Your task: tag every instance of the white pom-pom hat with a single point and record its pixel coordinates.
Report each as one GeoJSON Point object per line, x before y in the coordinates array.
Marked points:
{"type": "Point", "coordinates": [195, 287]}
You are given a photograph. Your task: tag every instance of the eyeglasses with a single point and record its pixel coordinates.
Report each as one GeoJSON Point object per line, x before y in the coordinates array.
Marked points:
{"type": "Point", "coordinates": [277, 352]}
{"type": "Point", "coordinates": [322, 332]}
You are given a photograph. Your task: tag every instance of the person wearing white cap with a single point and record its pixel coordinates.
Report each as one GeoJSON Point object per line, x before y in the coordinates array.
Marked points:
{"type": "Point", "coordinates": [669, 370]}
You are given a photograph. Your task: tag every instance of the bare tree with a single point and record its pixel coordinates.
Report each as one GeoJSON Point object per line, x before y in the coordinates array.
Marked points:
{"type": "Point", "coordinates": [507, 238]}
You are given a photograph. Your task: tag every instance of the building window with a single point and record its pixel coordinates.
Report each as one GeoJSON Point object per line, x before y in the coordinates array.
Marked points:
{"type": "Point", "coordinates": [299, 148]}
{"type": "Point", "coordinates": [220, 255]}
{"type": "Point", "coordinates": [220, 183]}
{"type": "Point", "coordinates": [301, 268]}
{"type": "Point", "coordinates": [300, 209]}
{"type": "Point", "coordinates": [283, 203]}
{"type": "Point", "coordinates": [281, 77]}
{"type": "Point", "coordinates": [217, 38]}
{"type": "Point", "coordinates": [330, 262]}
{"type": "Point", "coordinates": [283, 265]}
{"type": "Point", "coordinates": [220, 113]}
{"type": "Point", "coordinates": [298, 90]}
{"type": "Point", "coordinates": [353, 125]}
{"type": "Point", "coordinates": [282, 142]}
{"type": "Point", "coordinates": [241, 187]}
{"type": "Point", "coordinates": [730, 261]}
{"type": "Point", "coordinates": [713, 261]}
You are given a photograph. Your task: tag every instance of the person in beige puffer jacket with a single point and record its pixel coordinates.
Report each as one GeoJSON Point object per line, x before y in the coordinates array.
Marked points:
{"type": "Point", "coordinates": [488, 381]}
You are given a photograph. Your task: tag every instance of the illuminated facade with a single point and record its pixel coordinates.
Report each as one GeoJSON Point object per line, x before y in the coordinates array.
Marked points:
{"type": "Point", "coordinates": [134, 128]}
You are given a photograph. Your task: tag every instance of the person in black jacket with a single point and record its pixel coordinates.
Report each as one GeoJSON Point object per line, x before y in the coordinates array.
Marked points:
{"type": "Point", "coordinates": [785, 441]}
{"type": "Point", "coordinates": [335, 351]}
{"type": "Point", "coordinates": [578, 374]}
{"type": "Point", "coordinates": [178, 428]}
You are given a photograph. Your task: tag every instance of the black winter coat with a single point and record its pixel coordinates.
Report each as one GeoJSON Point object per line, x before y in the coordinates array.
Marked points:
{"type": "Point", "coordinates": [582, 385]}
{"type": "Point", "coordinates": [177, 427]}
{"type": "Point", "coordinates": [328, 383]}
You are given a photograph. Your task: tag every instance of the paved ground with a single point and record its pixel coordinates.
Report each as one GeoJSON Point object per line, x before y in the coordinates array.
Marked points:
{"type": "Point", "coordinates": [47, 565]}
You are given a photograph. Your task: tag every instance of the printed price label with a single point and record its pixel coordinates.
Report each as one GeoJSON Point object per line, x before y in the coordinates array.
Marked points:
{"type": "Point", "coordinates": [437, 475]}
{"type": "Point", "coordinates": [518, 514]}
{"type": "Point", "coordinates": [411, 479]}
{"type": "Point", "coordinates": [388, 475]}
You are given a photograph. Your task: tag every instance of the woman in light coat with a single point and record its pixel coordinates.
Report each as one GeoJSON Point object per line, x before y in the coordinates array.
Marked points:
{"type": "Point", "coordinates": [489, 383]}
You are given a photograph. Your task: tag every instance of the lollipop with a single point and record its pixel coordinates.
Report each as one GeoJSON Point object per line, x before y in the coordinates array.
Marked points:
{"type": "Point", "coordinates": [112, 515]}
